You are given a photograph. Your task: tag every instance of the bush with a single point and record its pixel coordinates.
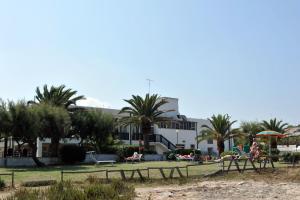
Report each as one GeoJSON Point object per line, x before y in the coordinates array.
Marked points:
{"type": "Point", "coordinates": [172, 154]}
{"type": "Point", "coordinates": [66, 191]}
{"type": "Point", "coordinates": [38, 183]}
{"type": "Point", "coordinates": [291, 157]}
{"type": "Point", "coordinates": [129, 151]}
{"type": "Point", "coordinates": [2, 184]}
{"type": "Point", "coordinates": [71, 154]}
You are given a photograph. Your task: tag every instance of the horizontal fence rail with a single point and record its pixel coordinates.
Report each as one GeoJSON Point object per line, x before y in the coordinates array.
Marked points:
{"type": "Point", "coordinates": [163, 171]}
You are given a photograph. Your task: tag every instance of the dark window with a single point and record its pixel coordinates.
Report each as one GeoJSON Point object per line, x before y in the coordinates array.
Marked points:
{"type": "Point", "coordinates": [210, 141]}
{"type": "Point", "coordinates": [192, 146]}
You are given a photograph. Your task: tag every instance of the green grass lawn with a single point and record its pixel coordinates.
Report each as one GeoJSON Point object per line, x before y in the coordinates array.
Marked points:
{"type": "Point", "coordinates": [54, 172]}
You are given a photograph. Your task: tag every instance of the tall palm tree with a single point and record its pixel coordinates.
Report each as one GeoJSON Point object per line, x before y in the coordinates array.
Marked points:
{"type": "Point", "coordinates": [274, 125]}
{"type": "Point", "coordinates": [144, 112]}
{"type": "Point", "coordinates": [56, 96]}
{"type": "Point", "coordinates": [250, 129]}
{"type": "Point", "coordinates": [220, 129]}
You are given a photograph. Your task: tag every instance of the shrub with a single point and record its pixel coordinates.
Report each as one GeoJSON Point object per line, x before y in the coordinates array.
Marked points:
{"type": "Point", "coordinates": [71, 154]}
{"type": "Point", "coordinates": [38, 183]}
{"type": "Point", "coordinates": [66, 191]}
{"type": "Point", "coordinates": [129, 151]}
{"type": "Point", "coordinates": [24, 194]}
{"type": "Point", "coordinates": [291, 157]}
{"type": "Point", "coordinates": [172, 154]}
{"type": "Point", "coordinates": [2, 184]}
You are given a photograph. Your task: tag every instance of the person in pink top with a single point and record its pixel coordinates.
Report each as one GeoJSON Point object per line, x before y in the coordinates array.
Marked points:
{"type": "Point", "coordinates": [254, 150]}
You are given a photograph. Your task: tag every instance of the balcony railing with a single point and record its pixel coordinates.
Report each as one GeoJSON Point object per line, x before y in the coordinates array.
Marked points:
{"type": "Point", "coordinates": [152, 138]}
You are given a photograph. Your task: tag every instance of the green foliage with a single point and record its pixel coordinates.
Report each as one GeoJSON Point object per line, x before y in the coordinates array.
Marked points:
{"type": "Point", "coordinates": [95, 127]}
{"type": "Point", "coordinates": [274, 125]}
{"type": "Point", "coordinates": [250, 129]}
{"type": "Point", "coordinates": [71, 154]}
{"type": "Point", "coordinates": [67, 191]}
{"type": "Point", "coordinates": [54, 123]}
{"type": "Point", "coordinates": [5, 119]}
{"type": "Point", "coordinates": [125, 152]}
{"type": "Point", "coordinates": [226, 153]}
{"type": "Point", "coordinates": [220, 130]}
{"type": "Point", "coordinates": [38, 183]}
{"type": "Point", "coordinates": [56, 96]}
{"type": "Point", "coordinates": [2, 184]}
{"type": "Point", "coordinates": [143, 112]}
{"type": "Point", "coordinates": [172, 154]}
{"type": "Point", "coordinates": [291, 157]}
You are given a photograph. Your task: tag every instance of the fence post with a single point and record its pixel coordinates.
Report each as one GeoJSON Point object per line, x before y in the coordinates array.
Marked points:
{"type": "Point", "coordinates": [106, 172]}
{"type": "Point", "coordinates": [148, 173]}
{"type": "Point", "coordinates": [62, 176]}
{"type": "Point", "coordinates": [187, 171]}
{"type": "Point", "coordinates": [13, 179]}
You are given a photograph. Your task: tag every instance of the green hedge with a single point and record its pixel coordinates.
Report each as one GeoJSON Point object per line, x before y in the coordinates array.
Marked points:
{"type": "Point", "coordinates": [129, 151]}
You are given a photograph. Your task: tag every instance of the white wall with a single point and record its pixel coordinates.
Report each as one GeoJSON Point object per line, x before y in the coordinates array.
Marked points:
{"type": "Point", "coordinates": [188, 136]}
{"type": "Point", "coordinates": [203, 145]}
{"type": "Point", "coordinates": [171, 105]}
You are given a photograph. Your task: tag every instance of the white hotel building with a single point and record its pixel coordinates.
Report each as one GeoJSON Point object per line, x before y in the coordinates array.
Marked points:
{"type": "Point", "coordinates": [180, 131]}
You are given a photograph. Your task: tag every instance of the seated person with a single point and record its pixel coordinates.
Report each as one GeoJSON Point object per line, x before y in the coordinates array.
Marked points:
{"type": "Point", "coordinates": [254, 150]}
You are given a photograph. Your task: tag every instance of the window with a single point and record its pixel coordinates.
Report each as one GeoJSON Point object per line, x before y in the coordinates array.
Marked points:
{"type": "Point", "coordinates": [192, 146]}
{"type": "Point", "coordinates": [210, 150]}
{"type": "Point", "coordinates": [210, 141]}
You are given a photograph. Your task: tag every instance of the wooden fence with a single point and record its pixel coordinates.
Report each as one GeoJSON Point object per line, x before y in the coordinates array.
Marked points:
{"type": "Point", "coordinates": [12, 175]}
{"type": "Point", "coordinates": [163, 171]}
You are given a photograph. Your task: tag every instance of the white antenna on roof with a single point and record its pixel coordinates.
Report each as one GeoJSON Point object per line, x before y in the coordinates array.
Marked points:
{"type": "Point", "coordinates": [149, 82]}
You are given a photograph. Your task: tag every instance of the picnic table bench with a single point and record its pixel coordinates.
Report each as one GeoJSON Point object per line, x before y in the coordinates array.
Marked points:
{"type": "Point", "coordinates": [236, 162]}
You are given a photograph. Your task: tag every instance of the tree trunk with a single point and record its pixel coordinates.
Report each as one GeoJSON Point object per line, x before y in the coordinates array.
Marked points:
{"type": "Point", "coordinates": [251, 139]}
{"type": "Point", "coordinates": [33, 155]}
{"type": "Point", "coordinates": [5, 151]}
{"type": "Point", "coordinates": [54, 147]}
{"type": "Point", "coordinates": [221, 146]}
{"type": "Point", "coordinates": [5, 147]}
{"type": "Point", "coordinates": [146, 129]}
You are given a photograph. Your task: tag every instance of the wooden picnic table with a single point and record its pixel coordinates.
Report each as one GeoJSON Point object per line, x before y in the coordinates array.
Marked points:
{"type": "Point", "coordinates": [238, 162]}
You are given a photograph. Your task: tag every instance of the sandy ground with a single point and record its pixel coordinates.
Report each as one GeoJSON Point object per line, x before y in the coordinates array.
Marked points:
{"type": "Point", "coordinates": [224, 190]}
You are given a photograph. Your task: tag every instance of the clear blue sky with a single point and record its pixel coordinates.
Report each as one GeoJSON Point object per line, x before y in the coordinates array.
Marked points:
{"type": "Point", "coordinates": [235, 57]}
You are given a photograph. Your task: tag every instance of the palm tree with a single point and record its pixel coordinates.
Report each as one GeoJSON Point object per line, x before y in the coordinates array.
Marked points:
{"type": "Point", "coordinates": [56, 96]}
{"type": "Point", "coordinates": [220, 129]}
{"type": "Point", "coordinates": [274, 125]}
{"type": "Point", "coordinates": [144, 113]}
{"type": "Point", "coordinates": [250, 129]}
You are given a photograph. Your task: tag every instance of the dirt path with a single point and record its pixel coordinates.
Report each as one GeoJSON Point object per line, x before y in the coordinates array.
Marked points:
{"type": "Point", "coordinates": [225, 190]}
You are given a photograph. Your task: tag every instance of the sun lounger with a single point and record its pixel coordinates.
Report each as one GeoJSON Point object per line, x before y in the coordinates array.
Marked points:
{"type": "Point", "coordinates": [185, 158]}
{"type": "Point", "coordinates": [135, 158]}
